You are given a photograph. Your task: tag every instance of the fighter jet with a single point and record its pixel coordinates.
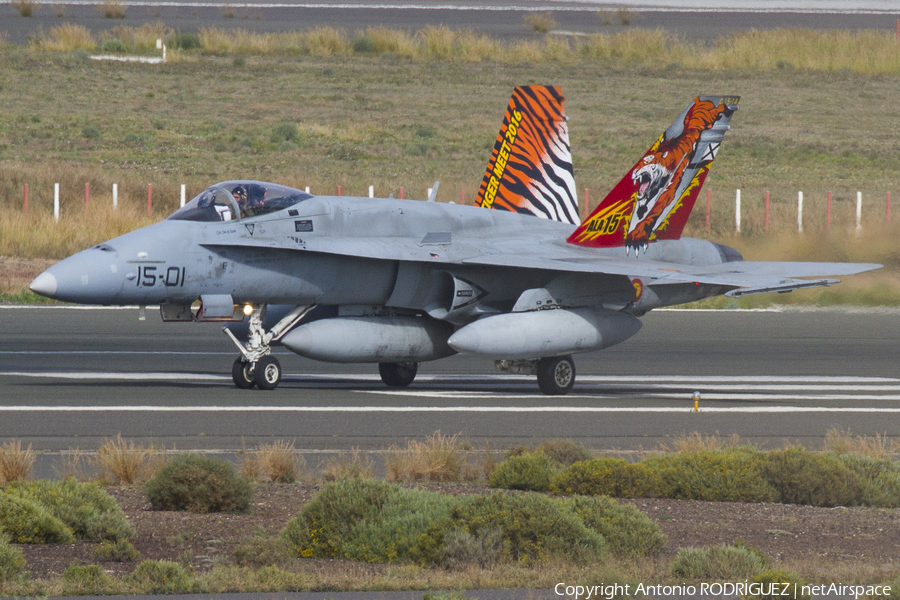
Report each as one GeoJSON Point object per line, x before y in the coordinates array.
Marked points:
{"type": "Point", "coordinates": [517, 278]}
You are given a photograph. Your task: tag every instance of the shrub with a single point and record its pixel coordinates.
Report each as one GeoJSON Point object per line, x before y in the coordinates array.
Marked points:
{"type": "Point", "coordinates": [15, 463]}
{"type": "Point", "coordinates": [363, 44]}
{"type": "Point", "coordinates": [114, 45]}
{"type": "Point", "coordinates": [462, 549]}
{"type": "Point", "coordinates": [199, 484]}
{"type": "Point", "coordinates": [733, 475]}
{"type": "Point", "coordinates": [85, 580]}
{"type": "Point", "coordinates": [802, 477]}
{"type": "Point", "coordinates": [296, 533]}
{"type": "Point", "coordinates": [565, 452]}
{"type": "Point", "coordinates": [25, 7]}
{"type": "Point", "coordinates": [262, 551]}
{"type": "Point", "coordinates": [160, 577]}
{"type": "Point", "coordinates": [85, 508]}
{"type": "Point", "coordinates": [91, 132]}
{"type": "Point", "coordinates": [718, 563]}
{"type": "Point", "coordinates": [332, 513]}
{"type": "Point", "coordinates": [189, 40]}
{"type": "Point", "coordinates": [439, 458]}
{"type": "Point", "coordinates": [781, 576]}
{"type": "Point", "coordinates": [879, 480]}
{"type": "Point", "coordinates": [628, 531]}
{"type": "Point", "coordinates": [528, 471]}
{"type": "Point", "coordinates": [112, 9]}
{"type": "Point", "coordinates": [534, 528]}
{"type": "Point", "coordinates": [606, 476]}
{"type": "Point", "coordinates": [120, 551]}
{"type": "Point", "coordinates": [285, 132]}
{"type": "Point", "coordinates": [27, 522]}
{"type": "Point", "coordinates": [278, 461]}
{"type": "Point", "coordinates": [12, 560]}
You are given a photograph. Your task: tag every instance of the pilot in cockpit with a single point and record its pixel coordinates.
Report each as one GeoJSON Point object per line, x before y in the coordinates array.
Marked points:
{"type": "Point", "coordinates": [240, 196]}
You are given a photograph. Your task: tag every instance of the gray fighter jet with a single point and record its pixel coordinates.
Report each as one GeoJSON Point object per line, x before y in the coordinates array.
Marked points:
{"type": "Point", "coordinates": [398, 282]}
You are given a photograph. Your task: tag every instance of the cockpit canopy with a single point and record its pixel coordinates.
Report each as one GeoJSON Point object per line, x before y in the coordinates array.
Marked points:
{"type": "Point", "coordinates": [235, 200]}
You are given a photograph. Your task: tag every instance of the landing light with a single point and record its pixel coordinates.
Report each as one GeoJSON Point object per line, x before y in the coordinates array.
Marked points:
{"type": "Point", "coordinates": [248, 309]}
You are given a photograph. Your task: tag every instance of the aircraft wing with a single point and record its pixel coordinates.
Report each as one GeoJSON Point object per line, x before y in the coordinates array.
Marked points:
{"type": "Point", "coordinates": [747, 277]}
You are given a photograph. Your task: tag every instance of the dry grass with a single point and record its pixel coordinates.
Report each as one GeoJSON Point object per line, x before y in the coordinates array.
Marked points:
{"type": "Point", "coordinates": [278, 462]}
{"type": "Point", "coordinates": [15, 461]}
{"type": "Point", "coordinates": [697, 442]}
{"type": "Point", "coordinates": [126, 463]}
{"type": "Point", "coordinates": [541, 22]}
{"type": "Point", "coordinates": [879, 446]}
{"type": "Point", "coordinates": [349, 465]}
{"type": "Point", "coordinates": [76, 463]}
{"type": "Point", "coordinates": [112, 9]}
{"type": "Point", "coordinates": [439, 458]}
{"type": "Point", "coordinates": [66, 38]}
{"type": "Point", "coordinates": [25, 7]}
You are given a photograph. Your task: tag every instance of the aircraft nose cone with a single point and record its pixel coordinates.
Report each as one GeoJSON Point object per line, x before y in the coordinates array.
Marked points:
{"type": "Point", "coordinates": [89, 277]}
{"type": "Point", "coordinates": [44, 284]}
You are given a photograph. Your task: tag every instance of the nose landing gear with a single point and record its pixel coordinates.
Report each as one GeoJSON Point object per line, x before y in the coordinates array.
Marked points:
{"type": "Point", "coordinates": [255, 366]}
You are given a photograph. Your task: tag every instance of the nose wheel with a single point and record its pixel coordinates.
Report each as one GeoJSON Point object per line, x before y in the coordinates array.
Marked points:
{"type": "Point", "coordinates": [242, 373]}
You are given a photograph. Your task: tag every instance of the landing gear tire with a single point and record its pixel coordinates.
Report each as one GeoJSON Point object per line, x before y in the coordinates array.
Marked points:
{"type": "Point", "coordinates": [267, 373]}
{"type": "Point", "coordinates": [242, 373]}
{"type": "Point", "coordinates": [398, 374]}
{"type": "Point", "coordinates": [556, 375]}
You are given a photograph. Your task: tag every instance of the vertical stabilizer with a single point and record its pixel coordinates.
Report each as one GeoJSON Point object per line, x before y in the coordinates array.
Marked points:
{"type": "Point", "coordinates": [530, 170]}
{"type": "Point", "coordinates": [654, 200]}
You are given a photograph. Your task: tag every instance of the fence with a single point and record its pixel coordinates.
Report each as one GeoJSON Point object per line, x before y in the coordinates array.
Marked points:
{"type": "Point", "coordinates": [753, 212]}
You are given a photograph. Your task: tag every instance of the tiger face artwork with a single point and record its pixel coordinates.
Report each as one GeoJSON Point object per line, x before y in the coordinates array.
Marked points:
{"type": "Point", "coordinates": [661, 172]}
{"type": "Point", "coordinates": [653, 201]}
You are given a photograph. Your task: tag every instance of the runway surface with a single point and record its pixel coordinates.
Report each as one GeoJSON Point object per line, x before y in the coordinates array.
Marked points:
{"type": "Point", "coordinates": [702, 20]}
{"type": "Point", "coordinates": [73, 378]}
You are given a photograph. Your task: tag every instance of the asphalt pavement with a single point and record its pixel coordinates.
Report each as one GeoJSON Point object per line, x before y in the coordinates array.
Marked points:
{"type": "Point", "coordinates": [73, 378]}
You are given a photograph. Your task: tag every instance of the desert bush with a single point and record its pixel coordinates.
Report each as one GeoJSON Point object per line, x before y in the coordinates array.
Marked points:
{"type": "Point", "coordinates": [734, 475]}
{"type": "Point", "coordinates": [718, 563]}
{"type": "Point", "coordinates": [126, 462]}
{"type": "Point", "coordinates": [606, 476]}
{"type": "Point", "coordinates": [160, 577]}
{"type": "Point", "coordinates": [85, 508]}
{"type": "Point", "coordinates": [375, 521]}
{"type": "Point", "coordinates": [67, 38]}
{"type": "Point", "coordinates": [534, 528]}
{"type": "Point", "coordinates": [188, 40]}
{"type": "Point", "coordinates": [528, 471]}
{"type": "Point", "coordinates": [462, 549]}
{"type": "Point", "coordinates": [349, 465]}
{"type": "Point", "coordinates": [803, 477]}
{"type": "Point", "coordinates": [27, 522]}
{"type": "Point", "coordinates": [879, 479]}
{"type": "Point", "coordinates": [566, 452]}
{"type": "Point", "coordinates": [200, 484]}
{"type": "Point", "coordinates": [628, 531]}
{"type": "Point", "coordinates": [85, 580]}
{"type": "Point", "coordinates": [15, 462]}
{"type": "Point", "coordinates": [224, 580]}
{"type": "Point", "coordinates": [12, 560]}
{"type": "Point", "coordinates": [263, 551]}
{"type": "Point", "coordinates": [780, 576]}
{"type": "Point", "coordinates": [118, 551]}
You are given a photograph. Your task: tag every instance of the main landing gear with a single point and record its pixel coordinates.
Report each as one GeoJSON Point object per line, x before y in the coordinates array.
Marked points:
{"type": "Point", "coordinates": [398, 374]}
{"type": "Point", "coordinates": [256, 366]}
{"type": "Point", "coordinates": [555, 374]}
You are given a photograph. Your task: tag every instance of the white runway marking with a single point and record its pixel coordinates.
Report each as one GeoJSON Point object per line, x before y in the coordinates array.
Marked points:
{"type": "Point", "coordinates": [444, 409]}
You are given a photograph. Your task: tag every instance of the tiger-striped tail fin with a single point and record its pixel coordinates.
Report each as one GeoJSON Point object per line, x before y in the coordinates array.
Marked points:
{"type": "Point", "coordinates": [530, 170]}
{"type": "Point", "coordinates": [654, 200]}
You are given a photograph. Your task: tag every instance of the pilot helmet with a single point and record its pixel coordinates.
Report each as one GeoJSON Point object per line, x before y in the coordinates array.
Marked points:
{"type": "Point", "coordinates": [240, 192]}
